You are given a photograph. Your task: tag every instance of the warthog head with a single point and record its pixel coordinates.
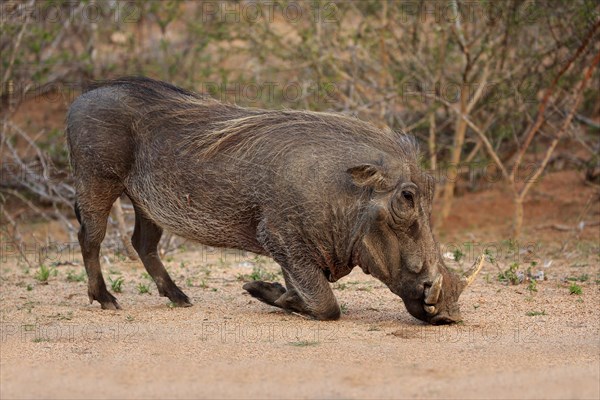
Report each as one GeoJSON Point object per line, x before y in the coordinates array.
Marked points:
{"type": "Point", "coordinates": [397, 247]}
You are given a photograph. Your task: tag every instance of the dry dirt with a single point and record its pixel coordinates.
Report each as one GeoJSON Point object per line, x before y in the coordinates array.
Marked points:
{"type": "Point", "coordinates": [55, 345]}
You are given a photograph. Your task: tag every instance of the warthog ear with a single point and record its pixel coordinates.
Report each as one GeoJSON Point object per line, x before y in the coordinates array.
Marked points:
{"type": "Point", "coordinates": [369, 175]}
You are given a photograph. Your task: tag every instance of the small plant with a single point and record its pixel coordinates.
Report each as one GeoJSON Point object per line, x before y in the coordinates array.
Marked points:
{"type": "Point", "coordinates": [129, 318]}
{"type": "Point", "coordinates": [142, 288]}
{"type": "Point", "coordinates": [258, 274]}
{"type": "Point", "coordinates": [575, 289]}
{"type": "Point", "coordinates": [487, 278]}
{"type": "Point", "coordinates": [580, 278]}
{"type": "Point", "coordinates": [510, 274]}
{"type": "Point", "coordinates": [341, 286]}
{"type": "Point", "coordinates": [535, 313]}
{"type": "Point", "coordinates": [512, 244]}
{"type": "Point", "coordinates": [344, 308]}
{"type": "Point", "coordinates": [73, 277]}
{"type": "Point", "coordinates": [373, 328]}
{"type": "Point", "coordinates": [532, 286]}
{"type": "Point", "coordinates": [188, 282]}
{"type": "Point", "coordinates": [458, 255]}
{"type": "Point", "coordinates": [117, 284]}
{"type": "Point", "coordinates": [42, 274]}
{"type": "Point", "coordinates": [490, 256]}
{"type": "Point", "coordinates": [29, 287]}
{"type": "Point", "coordinates": [63, 317]}
{"type": "Point", "coordinates": [120, 257]}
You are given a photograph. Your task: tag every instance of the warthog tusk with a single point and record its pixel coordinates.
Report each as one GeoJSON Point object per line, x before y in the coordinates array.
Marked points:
{"type": "Point", "coordinates": [470, 275]}
{"type": "Point", "coordinates": [429, 309]}
{"type": "Point", "coordinates": [435, 290]}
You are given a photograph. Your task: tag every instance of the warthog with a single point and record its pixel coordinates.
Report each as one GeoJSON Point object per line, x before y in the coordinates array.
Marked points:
{"type": "Point", "coordinates": [320, 193]}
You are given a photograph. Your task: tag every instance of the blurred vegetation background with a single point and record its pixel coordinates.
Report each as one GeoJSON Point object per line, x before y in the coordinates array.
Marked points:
{"type": "Point", "coordinates": [496, 92]}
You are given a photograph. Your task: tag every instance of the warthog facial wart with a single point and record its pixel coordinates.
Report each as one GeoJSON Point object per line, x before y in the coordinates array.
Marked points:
{"type": "Point", "coordinates": [320, 193]}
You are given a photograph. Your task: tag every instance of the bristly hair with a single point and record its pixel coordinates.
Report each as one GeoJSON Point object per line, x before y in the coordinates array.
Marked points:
{"type": "Point", "coordinates": [210, 127]}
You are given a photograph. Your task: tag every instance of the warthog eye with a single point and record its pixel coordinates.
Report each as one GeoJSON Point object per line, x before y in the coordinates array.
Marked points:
{"type": "Point", "coordinates": [402, 205]}
{"type": "Point", "coordinates": [408, 191]}
{"type": "Point", "coordinates": [409, 197]}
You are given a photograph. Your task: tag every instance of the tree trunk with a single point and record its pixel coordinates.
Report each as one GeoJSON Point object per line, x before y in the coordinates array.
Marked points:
{"type": "Point", "coordinates": [518, 218]}
{"type": "Point", "coordinates": [459, 140]}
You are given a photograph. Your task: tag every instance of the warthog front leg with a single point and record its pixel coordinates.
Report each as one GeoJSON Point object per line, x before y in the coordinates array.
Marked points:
{"type": "Point", "coordinates": [146, 236]}
{"type": "Point", "coordinates": [267, 292]}
{"type": "Point", "coordinates": [308, 291]}
{"type": "Point", "coordinates": [291, 300]}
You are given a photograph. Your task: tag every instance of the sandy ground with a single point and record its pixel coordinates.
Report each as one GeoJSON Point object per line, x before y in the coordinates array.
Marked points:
{"type": "Point", "coordinates": [514, 342]}
{"type": "Point", "coordinates": [55, 345]}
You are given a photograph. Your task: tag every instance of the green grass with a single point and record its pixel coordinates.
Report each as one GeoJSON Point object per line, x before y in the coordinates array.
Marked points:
{"type": "Point", "coordinates": [575, 289]}
{"type": "Point", "coordinates": [258, 274]}
{"type": "Point", "coordinates": [535, 313]}
{"type": "Point", "coordinates": [490, 256]}
{"type": "Point", "coordinates": [532, 286]}
{"type": "Point", "coordinates": [73, 277]}
{"type": "Point", "coordinates": [117, 284]}
{"type": "Point", "coordinates": [63, 317]}
{"type": "Point", "coordinates": [142, 288]}
{"type": "Point", "coordinates": [304, 343]}
{"type": "Point", "coordinates": [580, 278]}
{"type": "Point", "coordinates": [509, 275]}
{"type": "Point", "coordinates": [145, 275]}
{"type": "Point", "coordinates": [43, 273]}
{"type": "Point", "coordinates": [458, 255]}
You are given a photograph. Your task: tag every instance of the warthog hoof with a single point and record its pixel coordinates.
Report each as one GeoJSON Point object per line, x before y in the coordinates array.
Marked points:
{"type": "Point", "coordinates": [107, 301]}
{"type": "Point", "coordinates": [267, 292]}
{"type": "Point", "coordinates": [178, 298]}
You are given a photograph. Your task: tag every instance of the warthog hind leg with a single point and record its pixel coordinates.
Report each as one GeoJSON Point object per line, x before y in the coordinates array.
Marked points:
{"type": "Point", "coordinates": [146, 236]}
{"type": "Point", "coordinates": [95, 197]}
